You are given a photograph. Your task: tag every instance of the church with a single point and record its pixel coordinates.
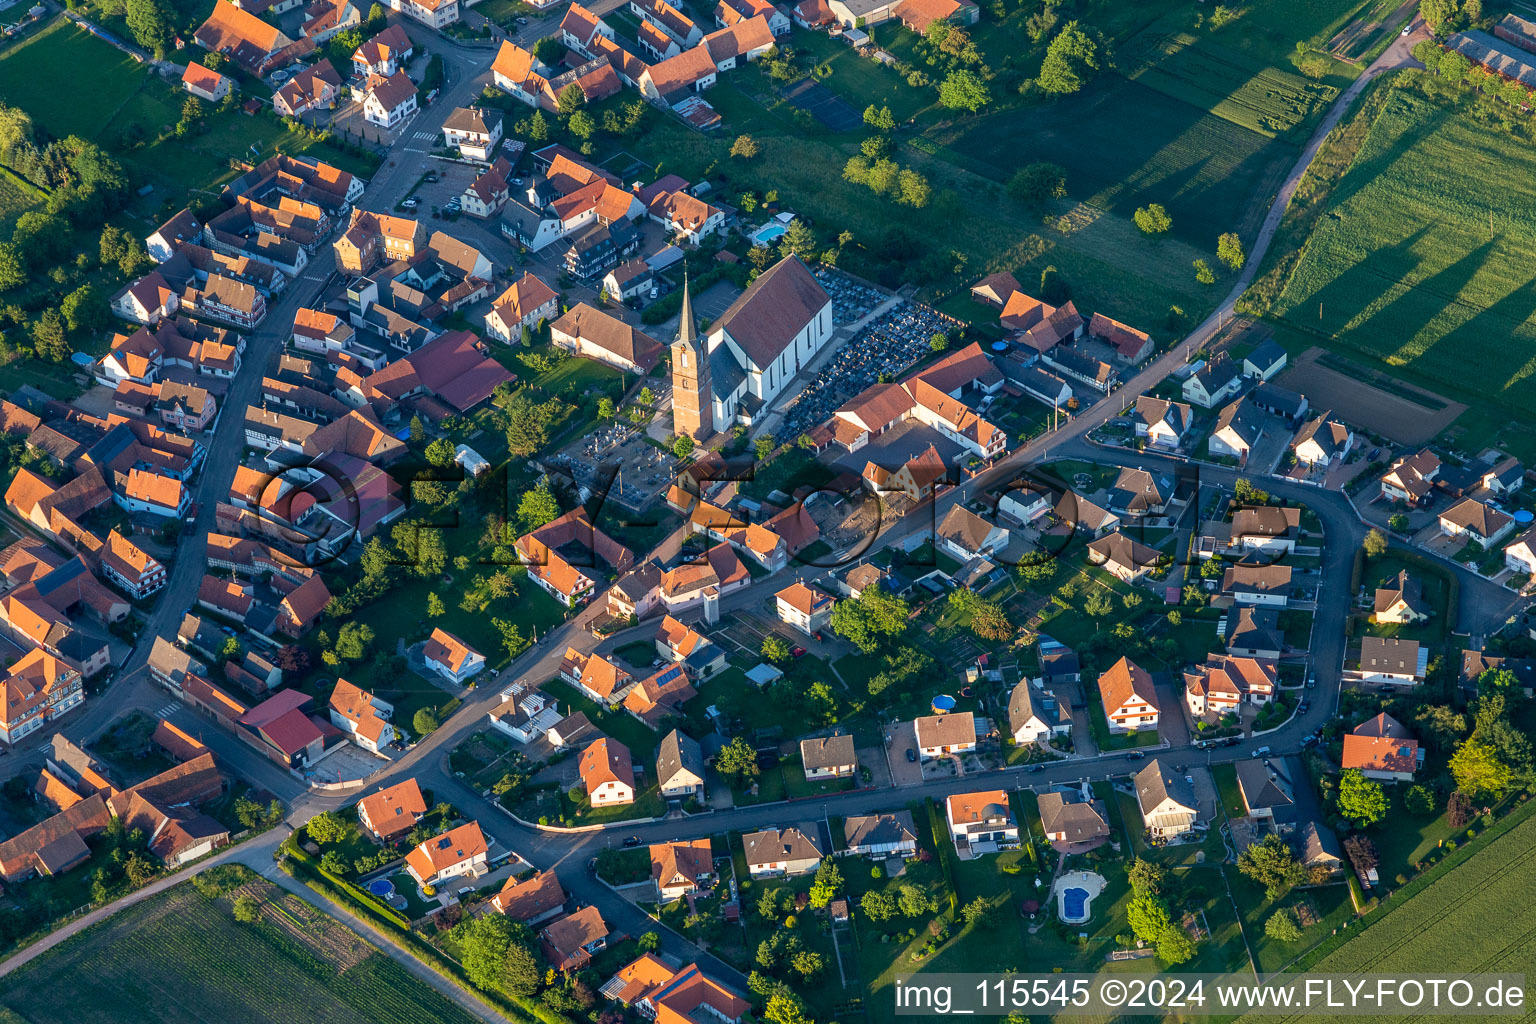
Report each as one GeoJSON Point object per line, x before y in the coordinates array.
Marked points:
{"type": "Point", "coordinates": [774, 329]}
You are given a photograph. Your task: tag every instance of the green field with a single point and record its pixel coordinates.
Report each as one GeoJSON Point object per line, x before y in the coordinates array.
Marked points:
{"type": "Point", "coordinates": [1402, 268]}
{"type": "Point", "coordinates": [1476, 917]}
{"type": "Point", "coordinates": [181, 957]}
{"type": "Point", "coordinates": [100, 79]}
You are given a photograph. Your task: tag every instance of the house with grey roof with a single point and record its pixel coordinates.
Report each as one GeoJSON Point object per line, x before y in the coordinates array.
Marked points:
{"type": "Point", "coordinates": [888, 834]}
{"type": "Point", "coordinates": [1167, 801]}
{"type": "Point", "coordinates": [679, 766]}
{"type": "Point", "coordinates": [828, 757]}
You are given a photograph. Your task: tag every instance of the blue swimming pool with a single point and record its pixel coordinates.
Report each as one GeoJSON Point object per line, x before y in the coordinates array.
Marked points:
{"type": "Point", "coordinates": [382, 887]}
{"type": "Point", "coordinates": [1074, 904]}
{"type": "Point", "coordinates": [768, 233]}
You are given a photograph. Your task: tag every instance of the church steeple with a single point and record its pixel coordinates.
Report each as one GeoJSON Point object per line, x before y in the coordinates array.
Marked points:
{"type": "Point", "coordinates": [692, 401]}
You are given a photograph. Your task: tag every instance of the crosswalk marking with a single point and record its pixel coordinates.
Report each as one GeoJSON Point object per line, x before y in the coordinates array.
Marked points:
{"type": "Point", "coordinates": [424, 135]}
{"type": "Point", "coordinates": [169, 709]}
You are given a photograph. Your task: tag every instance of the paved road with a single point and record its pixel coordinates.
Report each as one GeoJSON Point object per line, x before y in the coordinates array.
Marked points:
{"type": "Point", "coordinates": [569, 852]}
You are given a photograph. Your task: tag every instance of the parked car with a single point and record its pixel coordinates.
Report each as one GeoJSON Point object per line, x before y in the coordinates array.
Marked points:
{"type": "Point", "coordinates": [1261, 752]}
{"type": "Point", "coordinates": [632, 841]}
{"type": "Point", "coordinates": [911, 754]}
{"type": "Point", "coordinates": [1035, 768]}
{"type": "Point", "coordinates": [798, 652]}
{"type": "Point", "coordinates": [1136, 755]}
{"type": "Point", "coordinates": [411, 203]}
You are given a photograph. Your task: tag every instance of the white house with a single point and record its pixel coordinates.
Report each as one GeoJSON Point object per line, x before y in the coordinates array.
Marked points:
{"type": "Point", "coordinates": [1214, 384]}
{"type": "Point", "coordinates": [362, 716]}
{"type": "Point", "coordinates": [1520, 554]}
{"type": "Point", "coordinates": [1167, 800]}
{"type": "Point", "coordinates": [807, 609]}
{"type": "Point", "coordinates": [389, 102]}
{"type": "Point", "coordinates": [782, 852]}
{"type": "Point", "coordinates": [1238, 428]}
{"type": "Point", "coordinates": [1475, 521]}
{"type": "Point", "coordinates": [607, 772]}
{"type": "Point", "coordinates": [451, 657]}
{"type": "Point", "coordinates": [1265, 528]}
{"type": "Point", "coordinates": [1265, 361]}
{"type": "Point", "coordinates": [1162, 423]}
{"type": "Point", "coordinates": [965, 535]}
{"type": "Point", "coordinates": [524, 713]}
{"type": "Point", "coordinates": [473, 131]}
{"type": "Point", "coordinates": [1323, 441]}
{"type": "Point", "coordinates": [1392, 661]}
{"type": "Point", "coordinates": [147, 301]}
{"type": "Point", "coordinates": [457, 853]}
{"type": "Point", "coordinates": [942, 735]}
{"type": "Point", "coordinates": [888, 834]}
{"type": "Point", "coordinates": [828, 757]}
{"type": "Point", "coordinates": [981, 823]}
{"type": "Point", "coordinates": [1023, 503]}
{"type": "Point", "coordinates": [1130, 702]}
{"type": "Point", "coordinates": [1035, 715]}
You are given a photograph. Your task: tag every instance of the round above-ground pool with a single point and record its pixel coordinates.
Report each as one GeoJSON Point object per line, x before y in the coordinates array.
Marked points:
{"type": "Point", "coordinates": [1000, 346]}
{"type": "Point", "coordinates": [943, 704]}
{"type": "Point", "coordinates": [1524, 517]}
{"type": "Point", "coordinates": [382, 887]}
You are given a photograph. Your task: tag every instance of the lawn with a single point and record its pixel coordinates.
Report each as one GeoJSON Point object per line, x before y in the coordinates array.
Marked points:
{"type": "Point", "coordinates": [83, 102]}
{"type": "Point", "coordinates": [1437, 584]}
{"type": "Point", "coordinates": [181, 958]}
{"type": "Point", "coordinates": [1402, 269]}
{"type": "Point", "coordinates": [17, 196]}
{"type": "Point", "coordinates": [640, 738]}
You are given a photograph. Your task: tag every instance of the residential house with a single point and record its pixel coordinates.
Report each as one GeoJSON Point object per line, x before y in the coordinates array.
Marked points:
{"type": "Point", "coordinates": [531, 901]}
{"type": "Point", "coordinates": [1504, 477]}
{"type": "Point", "coordinates": [1122, 557]}
{"type": "Point", "coordinates": [1129, 699]}
{"type": "Point", "coordinates": [805, 608]}
{"type": "Point", "coordinates": [945, 735]}
{"type": "Point", "coordinates": [1023, 503]}
{"type": "Point", "coordinates": [1289, 405]}
{"type": "Point", "coordinates": [660, 696]}
{"type": "Point", "coordinates": [362, 716]}
{"type": "Point", "coordinates": [966, 535]}
{"type": "Point", "coordinates": [981, 823]}
{"type": "Point", "coordinates": [389, 102]}
{"type": "Point", "coordinates": [1072, 823]}
{"type": "Point", "coordinates": [1268, 795]}
{"type": "Point", "coordinates": [1136, 493]}
{"type": "Point", "coordinates": [132, 568]}
{"type": "Point", "coordinates": [828, 757]}
{"type": "Point", "coordinates": [1322, 442]}
{"type": "Point", "coordinates": [1036, 717]}
{"type": "Point", "coordinates": [255, 45]}
{"type": "Point", "coordinates": [607, 773]}
{"type": "Point", "coordinates": [995, 289]}
{"type": "Point", "coordinates": [677, 642]}
{"type": "Point", "coordinates": [598, 677]}
{"type": "Point", "coordinates": [782, 852]}
{"type": "Point", "coordinates": [1167, 801]}
{"type": "Point", "coordinates": [317, 87]}
{"type": "Point", "coordinates": [148, 300]}
{"type": "Point", "coordinates": [205, 83]}
{"type": "Point", "coordinates": [1161, 422]}
{"type": "Point", "coordinates": [393, 811]}
{"type": "Point", "coordinates": [679, 868]}
{"type": "Point", "coordinates": [474, 131]}
{"type": "Point", "coordinates": [881, 835]}
{"type": "Point", "coordinates": [1392, 660]}
{"type": "Point", "coordinates": [629, 279]}
{"type": "Point", "coordinates": [687, 218]}
{"type": "Point", "coordinates": [569, 942]}
{"type": "Point", "coordinates": [1238, 428]}
{"type": "Point", "coordinates": [589, 332]}
{"type": "Point", "coordinates": [731, 12]}
{"type": "Point", "coordinates": [1265, 361]}
{"type": "Point", "coordinates": [1253, 631]}
{"type": "Point", "coordinates": [526, 303]}
{"type": "Point", "coordinates": [485, 196]}
{"type": "Point", "coordinates": [1215, 383]}
{"type": "Point", "coordinates": [1381, 748]}
{"type": "Point", "coordinates": [571, 732]}
{"type": "Point", "coordinates": [1131, 346]}
{"type": "Point", "coordinates": [1520, 553]}
{"type": "Point", "coordinates": [458, 853]}
{"type": "Point", "coordinates": [1400, 600]}
{"type": "Point", "coordinates": [1223, 682]}
{"type": "Point", "coordinates": [1247, 583]}
{"type": "Point", "coordinates": [451, 658]}
{"type": "Point", "coordinates": [1265, 528]}
{"type": "Point", "coordinates": [679, 766]}
{"type": "Point", "coordinates": [1083, 516]}
{"type": "Point", "coordinates": [525, 713]}
{"type": "Point", "coordinates": [1477, 522]}
{"type": "Point", "coordinates": [282, 728]}
{"type": "Point", "coordinates": [1411, 479]}
{"type": "Point", "coordinates": [435, 14]}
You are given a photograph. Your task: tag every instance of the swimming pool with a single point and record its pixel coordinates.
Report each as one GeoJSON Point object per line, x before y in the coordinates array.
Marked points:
{"type": "Point", "coordinates": [382, 887]}
{"type": "Point", "coordinates": [768, 233]}
{"type": "Point", "coordinates": [1074, 904]}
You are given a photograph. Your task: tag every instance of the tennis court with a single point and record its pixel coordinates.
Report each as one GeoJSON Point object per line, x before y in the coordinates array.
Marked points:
{"type": "Point", "coordinates": [824, 105]}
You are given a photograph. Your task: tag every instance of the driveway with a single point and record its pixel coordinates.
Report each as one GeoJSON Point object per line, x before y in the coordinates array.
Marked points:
{"type": "Point", "coordinates": [902, 739]}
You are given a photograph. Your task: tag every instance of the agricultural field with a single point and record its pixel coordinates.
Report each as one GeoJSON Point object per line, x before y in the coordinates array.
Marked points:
{"type": "Point", "coordinates": [1477, 917]}
{"type": "Point", "coordinates": [101, 79]}
{"type": "Point", "coordinates": [1402, 269]}
{"type": "Point", "coordinates": [182, 957]}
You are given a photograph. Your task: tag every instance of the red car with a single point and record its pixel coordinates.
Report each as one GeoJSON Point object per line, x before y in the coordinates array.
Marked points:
{"type": "Point", "coordinates": [797, 652]}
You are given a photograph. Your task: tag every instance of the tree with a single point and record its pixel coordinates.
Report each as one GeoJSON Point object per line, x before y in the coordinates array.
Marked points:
{"type": "Point", "coordinates": [990, 622]}
{"type": "Point", "coordinates": [763, 447]}
{"type": "Point", "coordinates": [829, 879]}
{"type": "Point", "coordinates": [152, 24]}
{"type": "Point", "coordinates": [877, 905]}
{"type": "Point", "coordinates": [964, 90]}
{"type": "Point", "coordinates": [1454, 67]}
{"type": "Point", "coordinates": [352, 641]}
{"type": "Point", "coordinates": [48, 336]}
{"type": "Point", "coordinates": [1146, 876]}
{"type": "Point", "coordinates": [1098, 604]}
{"type": "Point", "coordinates": [1437, 13]}
{"type": "Point", "coordinates": [1420, 801]}
{"type": "Point", "coordinates": [11, 272]}
{"type": "Point", "coordinates": [424, 721]}
{"type": "Point", "coordinates": [1229, 249]}
{"type": "Point", "coordinates": [913, 901]}
{"type": "Point", "coordinates": [327, 827]}
{"type": "Point", "coordinates": [246, 909]}
{"type": "Point", "coordinates": [1038, 182]}
{"type": "Point", "coordinates": [1272, 864]}
{"type": "Point", "coordinates": [512, 639]}
{"type": "Point", "coordinates": [1174, 946]}
{"type": "Point", "coordinates": [737, 760]}
{"type": "Point", "coordinates": [774, 650]}
{"type": "Point", "coordinates": [807, 963]}
{"type": "Point", "coordinates": [745, 147]}
{"type": "Point", "coordinates": [435, 609]}
{"type": "Point", "coordinates": [537, 507]}
{"type": "Point", "coordinates": [1282, 926]}
{"type": "Point", "coordinates": [1439, 726]}
{"type": "Point", "coordinates": [1397, 522]}
{"type": "Point", "coordinates": [880, 120]}
{"type": "Point", "coordinates": [1361, 800]}
{"type": "Point", "coordinates": [939, 342]}
{"type": "Point", "coordinates": [570, 100]}
{"type": "Point", "coordinates": [1071, 60]}
{"type": "Point", "coordinates": [1148, 916]}
{"type": "Point", "coordinates": [784, 1007]}
{"type": "Point", "coordinates": [84, 310]}
{"type": "Point", "coordinates": [798, 240]}
{"type": "Point", "coordinates": [484, 942]}
{"type": "Point", "coordinates": [870, 619]}
{"type": "Point", "coordinates": [1458, 809]}
{"type": "Point", "coordinates": [682, 447]}
{"type": "Point", "coordinates": [1375, 544]}
{"type": "Point", "coordinates": [822, 702]}
{"type": "Point", "coordinates": [1203, 272]}
{"type": "Point", "coordinates": [980, 912]}
{"type": "Point", "coordinates": [1152, 219]}
{"type": "Point", "coordinates": [1478, 770]}
{"type": "Point", "coordinates": [912, 189]}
